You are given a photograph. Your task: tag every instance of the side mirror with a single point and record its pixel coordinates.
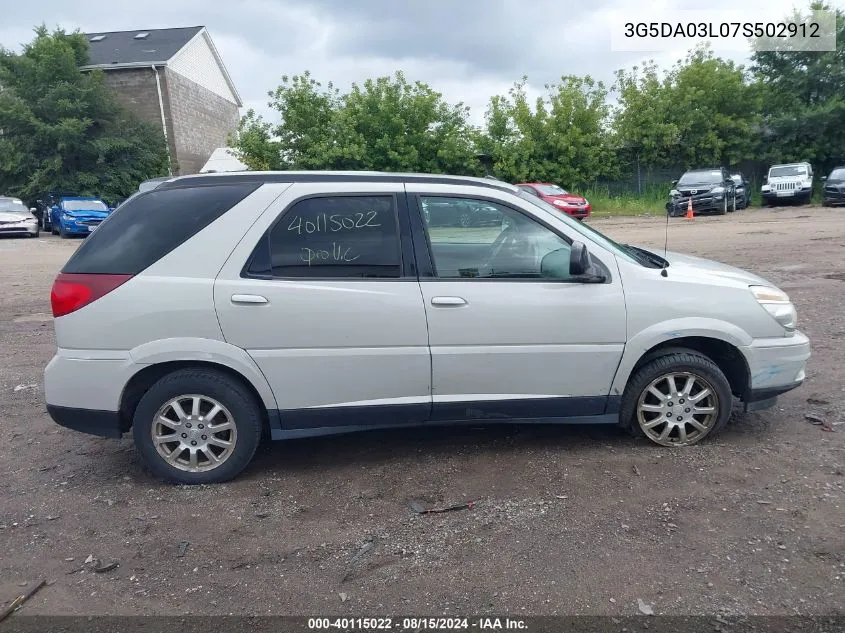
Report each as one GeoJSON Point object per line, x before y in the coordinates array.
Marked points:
{"type": "Point", "coordinates": [32, 209]}
{"type": "Point", "coordinates": [580, 262]}
{"type": "Point", "coordinates": [674, 182]}
{"type": "Point", "coordinates": [824, 178]}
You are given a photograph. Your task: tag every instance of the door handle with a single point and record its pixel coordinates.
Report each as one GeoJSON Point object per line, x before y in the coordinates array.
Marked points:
{"type": "Point", "coordinates": [249, 299]}
{"type": "Point", "coordinates": [448, 301]}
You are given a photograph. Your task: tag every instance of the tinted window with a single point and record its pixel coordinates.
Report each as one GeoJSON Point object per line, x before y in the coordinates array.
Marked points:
{"type": "Point", "coordinates": [496, 242]}
{"type": "Point", "coordinates": [335, 237]}
{"type": "Point", "coordinates": [147, 227]}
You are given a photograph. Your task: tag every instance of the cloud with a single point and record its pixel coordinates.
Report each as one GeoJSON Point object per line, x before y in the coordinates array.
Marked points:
{"type": "Point", "coordinates": [468, 50]}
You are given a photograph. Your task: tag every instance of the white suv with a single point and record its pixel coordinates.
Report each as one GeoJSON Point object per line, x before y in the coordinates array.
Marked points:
{"type": "Point", "coordinates": [788, 183]}
{"type": "Point", "coordinates": [212, 310]}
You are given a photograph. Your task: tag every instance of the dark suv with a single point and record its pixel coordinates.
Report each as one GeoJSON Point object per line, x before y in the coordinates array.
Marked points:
{"type": "Point", "coordinates": [743, 190]}
{"type": "Point", "coordinates": [710, 189]}
{"type": "Point", "coordinates": [47, 201]}
{"type": "Point", "coordinates": [834, 187]}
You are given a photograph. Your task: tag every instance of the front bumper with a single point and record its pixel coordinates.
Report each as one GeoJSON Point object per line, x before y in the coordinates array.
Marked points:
{"type": "Point", "coordinates": [678, 206]}
{"type": "Point", "coordinates": [576, 212]}
{"type": "Point", "coordinates": [776, 366]}
{"type": "Point", "coordinates": [792, 195]}
{"type": "Point", "coordinates": [833, 197]}
{"type": "Point", "coordinates": [19, 228]}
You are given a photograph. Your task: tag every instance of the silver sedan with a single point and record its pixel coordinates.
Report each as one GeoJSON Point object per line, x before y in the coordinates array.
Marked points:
{"type": "Point", "coordinates": [16, 218]}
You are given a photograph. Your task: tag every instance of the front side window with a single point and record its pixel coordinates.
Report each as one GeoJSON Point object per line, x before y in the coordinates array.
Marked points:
{"type": "Point", "coordinates": [334, 237]}
{"type": "Point", "coordinates": [494, 242]}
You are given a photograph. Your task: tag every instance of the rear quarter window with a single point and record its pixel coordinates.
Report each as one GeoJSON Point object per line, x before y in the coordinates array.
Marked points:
{"type": "Point", "coordinates": [149, 226]}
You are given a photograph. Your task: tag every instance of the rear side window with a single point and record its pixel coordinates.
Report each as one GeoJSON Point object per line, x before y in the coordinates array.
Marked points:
{"type": "Point", "coordinates": [150, 225]}
{"type": "Point", "coordinates": [332, 237]}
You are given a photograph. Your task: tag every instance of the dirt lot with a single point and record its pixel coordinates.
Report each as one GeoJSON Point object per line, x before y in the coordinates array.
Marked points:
{"type": "Point", "coordinates": [569, 520]}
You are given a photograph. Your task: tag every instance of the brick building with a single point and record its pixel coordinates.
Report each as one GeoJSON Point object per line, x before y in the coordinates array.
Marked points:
{"type": "Point", "coordinates": [175, 79]}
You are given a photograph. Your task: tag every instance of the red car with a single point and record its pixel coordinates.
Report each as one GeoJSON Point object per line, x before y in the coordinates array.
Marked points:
{"type": "Point", "coordinates": [576, 206]}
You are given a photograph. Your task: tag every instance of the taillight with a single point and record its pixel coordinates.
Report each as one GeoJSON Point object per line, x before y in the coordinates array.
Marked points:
{"type": "Point", "coordinates": [72, 291]}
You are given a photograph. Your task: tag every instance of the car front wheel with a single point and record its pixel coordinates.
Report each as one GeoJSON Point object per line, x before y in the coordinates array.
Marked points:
{"type": "Point", "coordinates": [197, 426]}
{"type": "Point", "coordinates": [677, 399]}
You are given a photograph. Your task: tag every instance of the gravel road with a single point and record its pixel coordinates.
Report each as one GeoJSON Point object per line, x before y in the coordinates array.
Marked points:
{"type": "Point", "coordinates": [567, 520]}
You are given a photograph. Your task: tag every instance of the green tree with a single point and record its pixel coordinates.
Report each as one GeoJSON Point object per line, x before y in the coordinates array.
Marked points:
{"type": "Point", "coordinates": [804, 100]}
{"type": "Point", "coordinates": [62, 129]}
{"type": "Point", "coordinates": [561, 137]}
{"type": "Point", "coordinates": [704, 111]}
{"type": "Point", "coordinates": [386, 124]}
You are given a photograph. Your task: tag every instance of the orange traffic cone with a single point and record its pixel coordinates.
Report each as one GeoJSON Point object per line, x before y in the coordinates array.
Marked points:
{"type": "Point", "coordinates": [689, 215]}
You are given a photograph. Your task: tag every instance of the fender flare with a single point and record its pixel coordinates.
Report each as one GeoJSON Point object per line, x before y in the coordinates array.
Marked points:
{"type": "Point", "coordinates": [207, 351]}
{"type": "Point", "coordinates": [638, 345]}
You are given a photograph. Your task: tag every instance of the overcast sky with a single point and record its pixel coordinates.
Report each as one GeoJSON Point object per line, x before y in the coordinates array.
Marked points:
{"type": "Point", "coordinates": [466, 49]}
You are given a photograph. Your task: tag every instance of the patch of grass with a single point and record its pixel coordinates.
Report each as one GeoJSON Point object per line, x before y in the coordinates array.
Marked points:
{"type": "Point", "coordinates": [652, 201]}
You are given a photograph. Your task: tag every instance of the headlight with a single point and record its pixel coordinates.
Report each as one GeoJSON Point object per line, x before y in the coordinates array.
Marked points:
{"type": "Point", "coordinates": [674, 193]}
{"type": "Point", "coordinates": [560, 203]}
{"type": "Point", "coordinates": [717, 190]}
{"type": "Point", "coordinates": [68, 218]}
{"type": "Point", "coordinates": [776, 302]}
{"type": "Point", "coordinates": [586, 202]}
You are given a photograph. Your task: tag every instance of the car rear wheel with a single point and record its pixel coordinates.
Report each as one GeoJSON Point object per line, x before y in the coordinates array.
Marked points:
{"type": "Point", "coordinates": [677, 399]}
{"type": "Point", "coordinates": [465, 219]}
{"type": "Point", "coordinates": [197, 426]}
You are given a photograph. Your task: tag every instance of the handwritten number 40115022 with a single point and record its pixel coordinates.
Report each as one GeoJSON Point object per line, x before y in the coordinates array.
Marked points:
{"type": "Point", "coordinates": [334, 223]}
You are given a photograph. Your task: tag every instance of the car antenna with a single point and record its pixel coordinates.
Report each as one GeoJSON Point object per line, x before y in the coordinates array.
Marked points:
{"type": "Point", "coordinates": [663, 272]}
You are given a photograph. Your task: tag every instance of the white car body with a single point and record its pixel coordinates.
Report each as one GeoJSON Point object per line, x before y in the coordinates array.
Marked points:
{"type": "Point", "coordinates": [329, 355]}
{"type": "Point", "coordinates": [16, 218]}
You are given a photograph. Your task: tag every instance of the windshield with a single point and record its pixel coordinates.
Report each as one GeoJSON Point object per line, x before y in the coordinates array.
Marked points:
{"type": "Point", "coordinates": [787, 170]}
{"type": "Point", "coordinates": [837, 174]}
{"type": "Point", "coordinates": [13, 205]}
{"type": "Point", "coordinates": [710, 177]}
{"type": "Point", "coordinates": [737, 178]}
{"type": "Point", "coordinates": [580, 227]}
{"type": "Point", "coordinates": [84, 205]}
{"type": "Point", "coordinates": [551, 190]}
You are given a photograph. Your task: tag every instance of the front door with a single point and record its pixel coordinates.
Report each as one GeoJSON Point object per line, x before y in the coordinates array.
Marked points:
{"type": "Point", "coordinates": [513, 336]}
{"type": "Point", "coordinates": [320, 295]}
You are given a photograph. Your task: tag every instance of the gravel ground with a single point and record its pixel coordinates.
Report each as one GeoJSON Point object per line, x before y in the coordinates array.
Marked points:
{"type": "Point", "coordinates": [567, 520]}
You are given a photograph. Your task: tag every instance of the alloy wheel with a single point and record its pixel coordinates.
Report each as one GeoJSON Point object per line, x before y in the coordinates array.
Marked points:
{"type": "Point", "coordinates": [194, 433]}
{"type": "Point", "coordinates": [677, 409]}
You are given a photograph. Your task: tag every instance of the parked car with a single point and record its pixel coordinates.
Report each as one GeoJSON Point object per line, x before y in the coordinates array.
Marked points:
{"type": "Point", "coordinates": [45, 202]}
{"type": "Point", "coordinates": [743, 190]}
{"type": "Point", "coordinates": [216, 309]}
{"type": "Point", "coordinates": [834, 187]}
{"type": "Point", "coordinates": [788, 183]}
{"type": "Point", "coordinates": [469, 213]}
{"type": "Point", "coordinates": [710, 189]}
{"type": "Point", "coordinates": [576, 206]}
{"type": "Point", "coordinates": [78, 215]}
{"type": "Point", "coordinates": [16, 218]}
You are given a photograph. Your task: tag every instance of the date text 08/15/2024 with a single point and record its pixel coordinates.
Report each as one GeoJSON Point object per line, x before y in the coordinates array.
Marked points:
{"type": "Point", "coordinates": [416, 624]}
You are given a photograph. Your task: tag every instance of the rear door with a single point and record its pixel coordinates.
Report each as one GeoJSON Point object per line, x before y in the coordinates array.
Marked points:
{"type": "Point", "coordinates": [324, 295]}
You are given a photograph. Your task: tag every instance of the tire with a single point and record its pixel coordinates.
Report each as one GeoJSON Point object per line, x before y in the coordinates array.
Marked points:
{"type": "Point", "coordinates": [724, 208]}
{"type": "Point", "coordinates": [465, 220]}
{"type": "Point", "coordinates": [733, 205]}
{"type": "Point", "coordinates": [238, 406]}
{"type": "Point", "coordinates": [641, 408]}
{"type": "Point", "coordinates": [37, 233]}
{"type": "Point", "coordinates": [53, 229]}
{"type": "Point", "coordinates": [63, 232]}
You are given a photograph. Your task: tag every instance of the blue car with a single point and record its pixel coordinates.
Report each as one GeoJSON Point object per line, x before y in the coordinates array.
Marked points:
{"type": "Point", "coordinates": [77, 215]}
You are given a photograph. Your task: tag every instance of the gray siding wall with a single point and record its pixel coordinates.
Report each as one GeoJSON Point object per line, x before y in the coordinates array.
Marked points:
{"type": "Point", "coordinates": [136, 89]}
{"type": "Point", "coordinates": [202, 121]}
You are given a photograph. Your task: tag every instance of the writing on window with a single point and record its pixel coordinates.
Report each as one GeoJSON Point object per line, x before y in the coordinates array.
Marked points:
{"type": "Point", "coordinates": [338, 236]}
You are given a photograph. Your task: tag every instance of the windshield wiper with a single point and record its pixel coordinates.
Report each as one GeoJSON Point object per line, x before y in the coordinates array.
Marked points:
{"type": "Point", "coordinates": [647, 257]}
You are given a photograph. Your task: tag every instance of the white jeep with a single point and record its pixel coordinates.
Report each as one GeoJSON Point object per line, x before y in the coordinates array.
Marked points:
{"type": "Point", "coordinates": [788, 183]}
